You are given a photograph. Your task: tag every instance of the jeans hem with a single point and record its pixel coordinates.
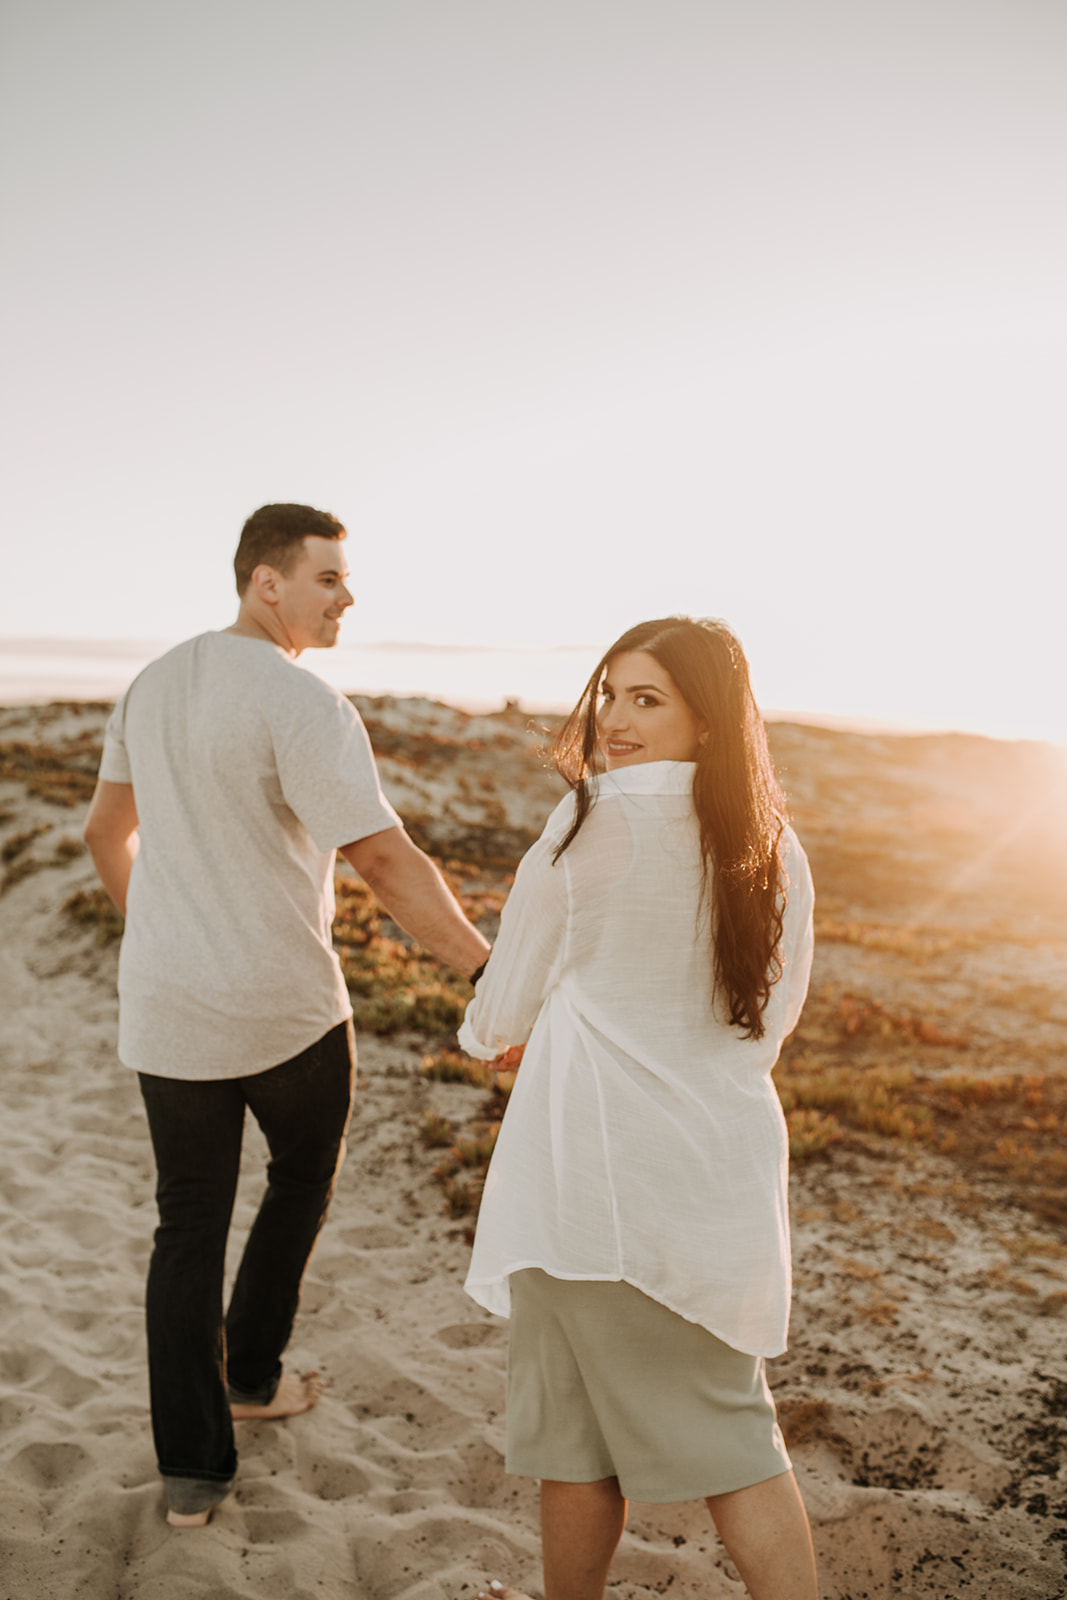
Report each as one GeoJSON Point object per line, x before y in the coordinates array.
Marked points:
{"type": "Point", "coordinates": [254, 1397]}
{"type": "Point", "coordinates": [189, 1493]}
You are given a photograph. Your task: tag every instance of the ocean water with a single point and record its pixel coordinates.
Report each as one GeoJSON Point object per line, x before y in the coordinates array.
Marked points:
{"type": "Point", "coordinates": [39, 670]}
{"type": "Point", "coordinates": [36, 671]}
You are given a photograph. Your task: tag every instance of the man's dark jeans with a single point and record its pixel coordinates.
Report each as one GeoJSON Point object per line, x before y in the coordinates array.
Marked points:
{"type": "Point", "coordinates": [302, 1107]}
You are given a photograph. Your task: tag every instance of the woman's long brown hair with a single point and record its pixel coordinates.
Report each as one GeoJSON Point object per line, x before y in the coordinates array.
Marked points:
{"type": "Point", "coordinates": [739, 806]}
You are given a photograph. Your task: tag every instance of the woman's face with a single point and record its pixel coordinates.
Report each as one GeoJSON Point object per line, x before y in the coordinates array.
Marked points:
{"type": "Point", "coordinates": [642, 716]}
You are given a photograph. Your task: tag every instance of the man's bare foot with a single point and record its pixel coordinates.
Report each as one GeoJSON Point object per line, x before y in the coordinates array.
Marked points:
{"type": "Point", "coordinates": [192, 1519]}
{"type": "Point", "coordinates": [293, 1395]}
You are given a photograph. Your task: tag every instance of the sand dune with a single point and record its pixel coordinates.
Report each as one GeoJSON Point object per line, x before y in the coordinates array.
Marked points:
{"type": "Point", "coordinates": [926, 1380]}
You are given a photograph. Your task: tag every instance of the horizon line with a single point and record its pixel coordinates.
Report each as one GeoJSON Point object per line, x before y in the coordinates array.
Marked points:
{"type": "Point", "coordinates": [42, 644]}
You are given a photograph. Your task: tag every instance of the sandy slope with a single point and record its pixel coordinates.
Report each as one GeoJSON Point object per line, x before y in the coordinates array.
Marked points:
{"type": "Point", "coordinates": [933, 1388]}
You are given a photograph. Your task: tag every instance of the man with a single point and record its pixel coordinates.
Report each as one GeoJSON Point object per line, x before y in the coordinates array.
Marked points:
{"type": "Point", "coordinates": [229, 778]}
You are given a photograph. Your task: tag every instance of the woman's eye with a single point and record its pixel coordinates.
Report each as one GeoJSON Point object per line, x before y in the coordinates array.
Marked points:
{"type": "Point", "coordinates": [646, 700]}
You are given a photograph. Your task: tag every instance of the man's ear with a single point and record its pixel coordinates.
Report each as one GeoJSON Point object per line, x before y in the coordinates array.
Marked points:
{"type": "Point", "coordinates": [264, 584]}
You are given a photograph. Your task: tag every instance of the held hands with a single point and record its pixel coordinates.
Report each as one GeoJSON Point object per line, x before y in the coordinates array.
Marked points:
{"type": "Point", "coordinates": [509, 1060]}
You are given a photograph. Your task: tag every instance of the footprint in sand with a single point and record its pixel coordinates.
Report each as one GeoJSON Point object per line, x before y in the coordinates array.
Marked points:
{"type": "Point", "coordinates": [375, 1236]}
{"type": "Point", "coordinates": [338, 1480]}
{"type": "Point", "coordinates": [274, 1526]}
{"type": "Point", "coordinates": [468, 1335]}
{"type": "Point", "coordinates": [49, 1465]}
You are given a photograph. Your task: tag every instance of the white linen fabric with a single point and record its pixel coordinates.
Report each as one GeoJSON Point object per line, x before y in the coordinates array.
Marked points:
{"type": "Point", "coordinates": [247, 772]}
{"type": "Point", "coordinates": [644, 1140]}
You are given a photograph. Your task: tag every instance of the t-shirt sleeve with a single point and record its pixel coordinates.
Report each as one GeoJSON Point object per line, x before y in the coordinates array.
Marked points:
{"type": "Point", "coordinates": [115, 763]}
{"type": "Point", "coordinates": [326, 767]}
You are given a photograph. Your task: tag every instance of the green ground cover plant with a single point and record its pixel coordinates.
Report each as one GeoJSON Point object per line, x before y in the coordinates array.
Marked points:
{"type": "Point", "coordinates": [857, 1074]}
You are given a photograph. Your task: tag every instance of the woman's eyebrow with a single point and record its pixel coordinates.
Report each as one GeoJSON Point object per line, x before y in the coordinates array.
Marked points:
{"type": "Point", "coordinates": [636, 688]}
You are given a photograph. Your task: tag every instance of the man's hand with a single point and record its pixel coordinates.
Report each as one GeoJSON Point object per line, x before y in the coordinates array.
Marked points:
{"type": "Point", "coordinates": [111, 834]}
{"type": "Point", "coordinates": [416, 896]}
{"type": "Point", "coordinates": [508, 1060]}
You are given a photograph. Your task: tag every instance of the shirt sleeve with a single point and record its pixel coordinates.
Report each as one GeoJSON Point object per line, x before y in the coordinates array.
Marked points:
{"type": "Point", "coordinates": [801, 919]}
{"type": "Point", "coordinates": [527, 958]}
{"type": "Point", "coordinates": [115, 762]}
{"type": "Point", "coordinates": [326, 767]}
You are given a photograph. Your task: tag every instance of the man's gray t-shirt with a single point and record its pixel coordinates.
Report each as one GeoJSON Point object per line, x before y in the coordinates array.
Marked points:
{"type": "Point", "coordinates": [247, 771]}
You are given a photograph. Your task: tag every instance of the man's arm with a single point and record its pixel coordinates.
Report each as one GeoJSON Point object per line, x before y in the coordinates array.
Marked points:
{"type": "Point", "coordinates": [111, 834]}
{"type": "Point", "coordinates": [416, 896]}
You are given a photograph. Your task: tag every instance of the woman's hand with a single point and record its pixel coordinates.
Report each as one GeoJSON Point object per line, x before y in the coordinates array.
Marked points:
{"type": "Point", "coordinates": [509, 1060]}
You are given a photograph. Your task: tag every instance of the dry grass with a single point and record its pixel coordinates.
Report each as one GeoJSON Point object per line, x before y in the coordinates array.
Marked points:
{"type": "Point", "coordinates": [452, 1066]}
{"type": "Point", "coordinates": [917, 944]}
{"type": "Point", "coordinates": [92, 908]}
{"type": "Point", "coordinates": [436, 1131]}
{"type": "Point", "coordinates": [461, 1169]}
{"type": "Point", "coordinates": [20, 842]}
{"type": "Point", "coordinates": [63, 774]}
{"type": "Point", "coordinates": [20, 863]}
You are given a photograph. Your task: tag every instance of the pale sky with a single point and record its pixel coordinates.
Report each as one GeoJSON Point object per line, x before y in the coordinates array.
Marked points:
{"type": "Point", "coordinates": [575, 312]}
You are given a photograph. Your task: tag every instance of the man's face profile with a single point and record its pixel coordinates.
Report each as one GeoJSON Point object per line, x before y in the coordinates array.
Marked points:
{"type": "Point", "coordinates": [311, 597]}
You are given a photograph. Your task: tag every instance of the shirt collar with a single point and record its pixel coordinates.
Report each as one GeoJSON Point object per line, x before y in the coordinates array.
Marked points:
{"type": "Point", "coordinates": [649, 777]}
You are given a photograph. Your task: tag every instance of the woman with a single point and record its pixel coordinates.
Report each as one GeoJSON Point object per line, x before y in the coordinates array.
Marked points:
{"type": "Point", "coordinates": [654, 952]}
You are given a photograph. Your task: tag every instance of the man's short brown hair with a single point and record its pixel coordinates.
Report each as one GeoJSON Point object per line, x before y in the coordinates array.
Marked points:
{"type": "Point", "coordinates": [273, 537]}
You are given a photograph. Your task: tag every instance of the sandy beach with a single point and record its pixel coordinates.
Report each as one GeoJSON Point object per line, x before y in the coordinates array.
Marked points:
{"type": "Point", "coordinates": [925, 1390]}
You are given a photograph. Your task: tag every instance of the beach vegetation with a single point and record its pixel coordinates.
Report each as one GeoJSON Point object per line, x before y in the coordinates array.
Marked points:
{"type": "Point", "coordinates": [452, 1066]}
{"type": "Point", "coordinates": [461, 1168]}
{"type": "Point", "coordinates": [19, 863]}
{"type": "Point", "coordinates": [67, 849]}
{"type": "Point", "coordinates": [419, 1006]}
{"type": "Point", "coordinates": [909, 939]}
{"type": "Point", "coordinates": [436, 1131]}
{"type": "Point", "coordinates": [396, 985]}
{"type": "Point", "coordinates": [92, 908]}
{"type": "Point", "coordinates": [21, 841]}
{"type": "Point", "coordinates": [462, 1196]}
{"type": "Point", "coordinates": [23, 867]}
{"type": "Point", "coordinates": [810, 1131]}
{"type": "Point", "coordinates": [476, 1150]}
{"type": "Point", "coordinates": [63, 774]}
{"type": "Point", "coordinates": [857, 1076]}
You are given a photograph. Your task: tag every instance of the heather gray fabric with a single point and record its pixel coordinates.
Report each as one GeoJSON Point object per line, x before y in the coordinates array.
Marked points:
{"type": "Point", "coordinates": [247, 771]}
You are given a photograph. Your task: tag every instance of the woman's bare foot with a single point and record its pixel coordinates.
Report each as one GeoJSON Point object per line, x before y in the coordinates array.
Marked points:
{"type": "Point", "coordinates": [497, 1591]}
{"type": "Point", "coordinates": [192, 1519]}
{"type": "Point", "coordinates": [293, 1395]}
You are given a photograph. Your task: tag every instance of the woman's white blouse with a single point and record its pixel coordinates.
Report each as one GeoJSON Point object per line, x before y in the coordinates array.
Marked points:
{"type": "Point", "coordinates": [644, 1139]}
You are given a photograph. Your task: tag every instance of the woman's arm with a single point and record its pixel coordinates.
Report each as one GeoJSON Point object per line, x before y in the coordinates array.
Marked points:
{"type": "Point", "coordinates": [526, 960]}
{"type": "Point", "coordinates": [800, 912]}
